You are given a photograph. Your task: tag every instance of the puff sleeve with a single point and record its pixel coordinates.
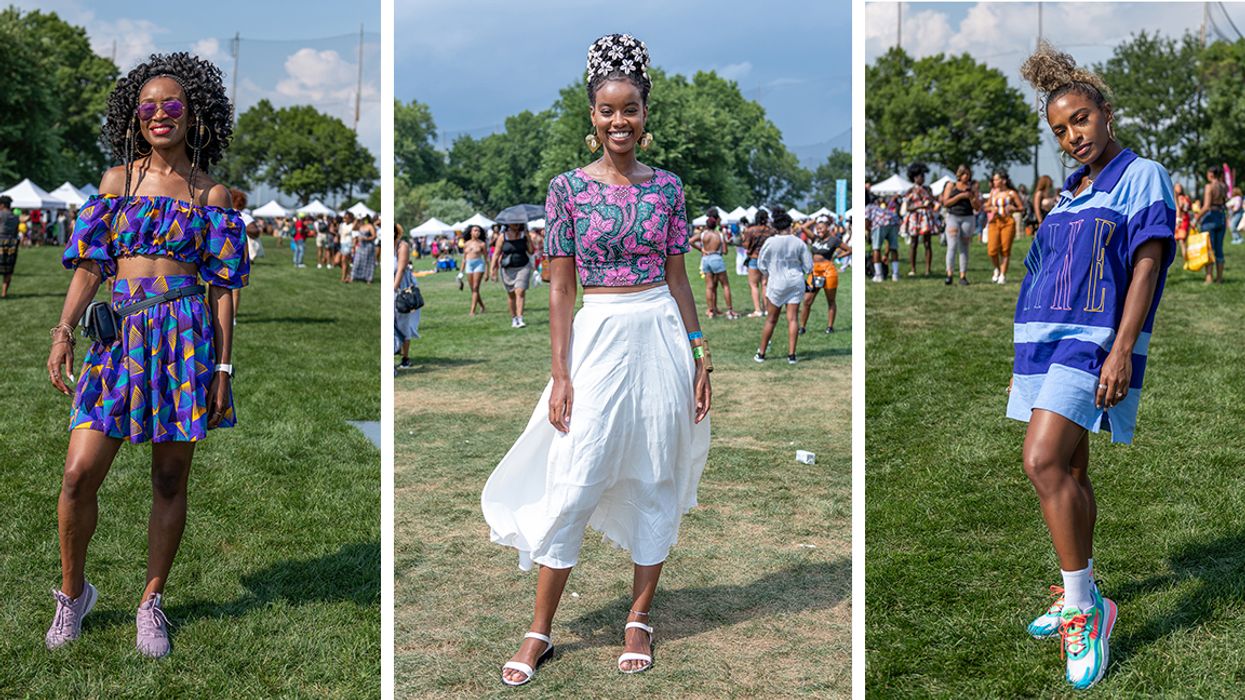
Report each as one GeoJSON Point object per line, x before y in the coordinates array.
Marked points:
{"type": "Point", "coordinates": [559, 219]}
{"type": "Point", "coordinates": [225, 262]}
{"type": "Point", "coordinates": [92, 233]}
{"type": "Point", "coordinates": [677, 242]}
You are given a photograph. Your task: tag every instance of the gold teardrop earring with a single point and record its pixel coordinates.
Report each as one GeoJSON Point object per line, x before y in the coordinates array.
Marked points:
{"type": "Point", "coordinates": [593, 142]}
{"type": "Point", "coordinates": [646, 140]}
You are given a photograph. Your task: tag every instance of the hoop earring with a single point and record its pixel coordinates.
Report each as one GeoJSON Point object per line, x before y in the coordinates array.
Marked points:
{"type": "Point", "coordinates": [203, 141]}
{"type": "Point", "coordinates": [1063, 158]}
{"type": "Point", "coordinates": [593, 142]}
{"type": "Point", "coordinates": [646, 140]}
{"type": "Point", "coordinates": [1111, 130]}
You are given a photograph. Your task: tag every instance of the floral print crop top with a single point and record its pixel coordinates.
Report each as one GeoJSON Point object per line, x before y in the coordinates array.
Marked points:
{"type": "Point", "coordinates": [111, 227]}
{"type": "Point", "coordinates": [619, 235]}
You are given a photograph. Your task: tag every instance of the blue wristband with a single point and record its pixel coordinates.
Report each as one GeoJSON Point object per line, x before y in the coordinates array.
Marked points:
{"type": "Point", "coordinates": [694, 335]}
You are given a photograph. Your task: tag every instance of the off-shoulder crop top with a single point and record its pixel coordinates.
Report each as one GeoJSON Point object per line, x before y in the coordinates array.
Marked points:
{"type": "Point", "coordinates": [111, 227]}
{"type": "Point", "coordinates": [619, 235]}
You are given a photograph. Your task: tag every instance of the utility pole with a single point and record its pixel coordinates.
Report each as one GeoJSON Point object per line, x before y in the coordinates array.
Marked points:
{"type": "Point", "coordinates": [235, 47]}
{"type": "Point", "coordinates": [899, 27]}
{"type": "Point", "coordinates": [1037, 106]}
{"type": "Point", "coordinates": [358, 94]}
{"type": "Point", "coordinates": [114, 52]}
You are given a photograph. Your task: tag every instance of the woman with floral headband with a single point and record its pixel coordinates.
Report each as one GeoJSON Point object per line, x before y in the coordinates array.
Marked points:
{"type": "Point", "coordinates": [1082, 332]}
{"type": "Point", "coordinates": [158, 227]}
{"type": "Point", "coordinates": [633, 365]}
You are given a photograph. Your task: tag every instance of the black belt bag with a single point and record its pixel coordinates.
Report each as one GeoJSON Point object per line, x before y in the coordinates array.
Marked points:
{"type": "Point", "coordinates": [102, 322]}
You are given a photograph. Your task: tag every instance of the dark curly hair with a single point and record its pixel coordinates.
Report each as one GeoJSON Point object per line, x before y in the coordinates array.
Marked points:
{"type": "Point", "coordinates": [1054, 73]}
{"type": "Point", "coordinates": [208, 103]}
{"type": "Point", "coordinates": [917, 169]}
{"type": "Point", "coordinates": [618, 57]}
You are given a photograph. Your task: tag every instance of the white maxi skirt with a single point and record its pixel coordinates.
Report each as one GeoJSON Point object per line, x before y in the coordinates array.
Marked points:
{"type": "Point", "coordinates": [630, 464]}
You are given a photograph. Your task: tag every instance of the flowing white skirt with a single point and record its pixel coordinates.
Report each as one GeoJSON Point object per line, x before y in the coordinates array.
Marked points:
{"type": "Point", "coordinates": [631, 462]}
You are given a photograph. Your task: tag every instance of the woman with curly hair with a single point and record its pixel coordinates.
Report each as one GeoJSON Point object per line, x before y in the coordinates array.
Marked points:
{"type": "Point", "coordinates": [919, 221]}
{"type": "Point", "coordinates": [633, 363]}
{"type": "Point", "coordinates": [1004, 203]}
{"type": "Point", "coordinates": [1082, 332]}
{"type": "Point", "coordinates": [162, 375]}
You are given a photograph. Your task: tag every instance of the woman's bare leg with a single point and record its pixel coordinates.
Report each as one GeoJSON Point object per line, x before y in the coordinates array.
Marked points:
{"type": "Point", "coordinates": [1052, 445]}
{"type": "Point", "coordinates": [549, 585]}
{"type": "Point", "coordinates": [86, 464]}
{"type": "Point", "coordinates": [809, 298]}
{"type": "Point", "coordinates": [170, 472]}
{"type": "Point", "coordinates": [771, 320]}
{"type": "Point", "coordinates": [754, 284]}
{"type": "Point", "coordinates": [831, 295]}
{"type": "Point", "coordinates": [793, 327]}
{"type": "Point", "coordinates": [643, 587]}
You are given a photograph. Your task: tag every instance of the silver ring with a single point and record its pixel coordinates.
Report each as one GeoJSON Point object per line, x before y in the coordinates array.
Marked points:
{"type": "Point", "coordinates": [1102, 386]}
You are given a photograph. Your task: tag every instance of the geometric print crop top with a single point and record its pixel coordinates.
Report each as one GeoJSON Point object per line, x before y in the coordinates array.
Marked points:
{"type": "Point", "coordinates": [110, 226]}
{"type": "Point", "coordinates": [619, 235]}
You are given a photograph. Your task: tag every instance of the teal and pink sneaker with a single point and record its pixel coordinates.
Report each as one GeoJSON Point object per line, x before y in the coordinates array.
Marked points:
{"type": "Point", "coordinates": [1085, 636]}
{"type": "Point", "coordinates": [1046, 625]}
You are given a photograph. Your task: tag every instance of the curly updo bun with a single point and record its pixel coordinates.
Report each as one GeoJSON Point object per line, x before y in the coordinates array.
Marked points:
{"type": "Point", "coordinates": [205, 93]}
{"type": "Point", "coordinates": [1054, 73]}
{"type": "Point", "coordinates": [618, 57]}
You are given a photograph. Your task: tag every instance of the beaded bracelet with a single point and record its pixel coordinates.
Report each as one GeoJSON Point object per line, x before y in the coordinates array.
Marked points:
{"type": "Point", "coordinates": [694, 335]}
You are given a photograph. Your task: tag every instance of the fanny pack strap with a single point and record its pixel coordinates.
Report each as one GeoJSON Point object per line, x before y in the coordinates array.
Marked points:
{"type": "Point", "coordinates": [171, 295]}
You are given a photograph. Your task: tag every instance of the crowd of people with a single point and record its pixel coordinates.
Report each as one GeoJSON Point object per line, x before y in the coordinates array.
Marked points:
{"type": "Point", "coordinates": [964, 209]}
{"type": "Point", "coordinates": [801, 264]}
{"type": "Point", "coordinates": [343, 242]}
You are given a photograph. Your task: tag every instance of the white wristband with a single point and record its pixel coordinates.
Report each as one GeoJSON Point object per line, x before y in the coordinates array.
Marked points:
{"type": "Point", "coordinates": [227, 369]}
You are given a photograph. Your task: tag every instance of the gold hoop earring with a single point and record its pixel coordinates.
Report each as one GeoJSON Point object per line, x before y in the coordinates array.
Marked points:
{"type": "Point", "coordinates": [593, 142]}
{"type": "Point", "coordinates": [1063, 158]}
{"type": "Point", "coordinates": [646, 140]}
{"type": "Point", "coordinates": [201, 131]}
{"type": "Point", "coordinates": [134, 136]}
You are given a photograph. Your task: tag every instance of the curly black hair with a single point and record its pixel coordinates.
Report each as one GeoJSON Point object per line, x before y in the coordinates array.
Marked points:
{"type": "Point", "coordinates": [205, 91]}
{"type": "Point", "coordinates": [917, 168]}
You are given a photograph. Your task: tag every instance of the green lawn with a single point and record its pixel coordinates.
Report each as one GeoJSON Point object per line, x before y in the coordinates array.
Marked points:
{"type": "Point", "coordinates": [958, 558]}
{"type": "Point", "coordinates": [755, 599]}
{"type": "Point", "coordinates": [276, 588]}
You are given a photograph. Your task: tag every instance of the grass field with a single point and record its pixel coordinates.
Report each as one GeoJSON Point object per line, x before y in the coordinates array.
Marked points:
{"type": "Point", "coordinates": [958, 558]}
{"type": "Point", "coordinates": [755, 599]}
{"type": "Point", "coordinates": [276, 588]}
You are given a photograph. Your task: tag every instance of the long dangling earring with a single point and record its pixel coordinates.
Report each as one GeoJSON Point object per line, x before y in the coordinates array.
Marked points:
{"type": "Point", "coordinates": [197, 148]}
{"type": "Point", "coordinates": [646, 140]}
{"type": "Point", "coordinates": [593, 142]}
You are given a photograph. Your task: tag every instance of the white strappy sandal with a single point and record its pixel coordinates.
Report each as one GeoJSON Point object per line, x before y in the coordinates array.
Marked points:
{"type": "Point", "coordinates": [636, 656]}
{"type": "Point", "coordinates": [524, 668]}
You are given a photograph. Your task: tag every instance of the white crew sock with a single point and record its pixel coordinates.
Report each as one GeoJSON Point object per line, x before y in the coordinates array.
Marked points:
{"type": "Point", "coordinates": [877, 269]}
{"type": "Point", "coordinates": [1077, 589]}
{"type": "Point", "coordinates": [894, 268]}
{"type": "Point", "coordinates": [1092, 580]}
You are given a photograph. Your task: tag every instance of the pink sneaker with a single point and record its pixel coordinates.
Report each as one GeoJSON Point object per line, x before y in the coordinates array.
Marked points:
{"type": "Point", "coordinates": [67, 624]}
{"type": "Point", "coordinates": [153, 628]}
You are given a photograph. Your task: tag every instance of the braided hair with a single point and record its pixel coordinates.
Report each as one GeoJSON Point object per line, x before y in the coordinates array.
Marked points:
{"type": "Point", "coordinates": [618, 57]}
{"type": "Point", "coordinates": [208, 105]}
{"type": "Point", "coordinates": [1054, 73]}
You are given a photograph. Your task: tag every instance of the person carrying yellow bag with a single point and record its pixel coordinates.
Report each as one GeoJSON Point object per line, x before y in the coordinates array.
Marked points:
{"type": "Point", "coordinates": [1197, 250]}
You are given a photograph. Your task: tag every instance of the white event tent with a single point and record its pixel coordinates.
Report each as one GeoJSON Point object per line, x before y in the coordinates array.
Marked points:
{"type": "Point", "coordinates": [891, 185]}
{"type": "Point", "coordinates": [796, 214]}
{"type": "Point", "coordinates": [70, 195]}
{"type": "Point", "coordinates": [476, 219]}
{"type": "Point", "coordinates": [270, 210]}
{"type": "Point", "coordinates": [939, 184]}
{"type": "Point", "coordinates": [361, 209]}
{"type": "Point", "coordinates": [431, 227]}
{"type": "Point", "coordinates": [316, 208]}
{"type": "Point", "coordinates": [28, 195]}
{"type": "Point", "coordinates": [88, 189]}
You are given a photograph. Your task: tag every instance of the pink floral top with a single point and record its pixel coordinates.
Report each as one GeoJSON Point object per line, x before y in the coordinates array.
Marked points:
{"type": "Point", "coordinates": [619, 235]}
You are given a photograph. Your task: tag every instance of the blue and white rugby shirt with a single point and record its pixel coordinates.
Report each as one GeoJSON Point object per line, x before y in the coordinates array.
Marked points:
{"type": "Point", "coordinates": [1072, 300]}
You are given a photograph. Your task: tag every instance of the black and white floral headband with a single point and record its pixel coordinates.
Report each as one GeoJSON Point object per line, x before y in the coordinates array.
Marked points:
{"type": "Point", "coordinates": [617, 53]}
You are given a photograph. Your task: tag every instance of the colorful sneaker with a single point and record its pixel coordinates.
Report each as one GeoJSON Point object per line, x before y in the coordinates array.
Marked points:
{"type": "Point", "coordinates": [153, 628]}
{"type": "Point", "coordinates": [1046, 625]}
{"type": "Point", "coordinates": [1085, 636]}
{"type": "Point", "coordinates": [67, 623]}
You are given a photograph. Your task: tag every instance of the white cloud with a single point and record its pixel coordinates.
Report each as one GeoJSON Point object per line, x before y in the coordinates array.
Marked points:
{"type": "Point", "coordinates": [735, 71]}
{"type": "Point", "coordinates": [208, 49]}
{"type": "Point", "coordinates": [317, 75]}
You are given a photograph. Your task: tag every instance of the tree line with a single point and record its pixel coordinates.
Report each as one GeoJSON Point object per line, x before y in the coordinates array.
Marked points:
{"type": "Point", "coordinates": [1176, 101]}
{"type": "Point", "coordinates": [723, 146]}
{"type": "Point", "coordinates": [55, 94]}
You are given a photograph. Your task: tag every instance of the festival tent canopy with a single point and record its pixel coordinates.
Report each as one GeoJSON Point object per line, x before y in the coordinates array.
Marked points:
{"type": "Point", "coordinates": [476, 219]}
{"type": "Point", "coordinates": [270, 210]}
{"type": "Point", "coordinates": [536, 223]}
{"type": "Point", "coordinates": [822, 212]}
{"type": "Point", "coordinates": [361, 209]}
{"type": "Point", "coordinates": [88, 189]}
{"type": "Point", "coordinates": [28, 195]}
{"type": "Point", "coordinates": [736, 214]}
{"type": "Point", "coordinates": [316, 208]}
{"type": "Point", "coordinates": [431, 227]}
{"type": "Point", "coordinates": [938, 185]}
{"type": "Point", "coordinates": [796, 214]}
{"type": "Point", "coordinates": [892, 185]}
{"type": "Point", "coordinates": [70, 195]}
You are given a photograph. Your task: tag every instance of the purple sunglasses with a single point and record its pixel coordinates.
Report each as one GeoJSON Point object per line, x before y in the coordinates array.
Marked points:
{"type": "Point", "coordinates": [173, 108]}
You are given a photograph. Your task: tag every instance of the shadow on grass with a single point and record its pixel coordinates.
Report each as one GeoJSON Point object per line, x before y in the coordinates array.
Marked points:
{"type": "Point", "coordinates": [13, 295]}
{"type": "Point", "coordinates": [1218, 569]}
{"type": "Point", "coordinates": [693, 611]}
{"type": "Point", "coordinates": [823, 352]}
{"type": "Point", "coordinates": [352, 574]}
{"type": "Point", "coordinates": [428, 363]}
{"type": "Point", "coordinates": [243, 317]}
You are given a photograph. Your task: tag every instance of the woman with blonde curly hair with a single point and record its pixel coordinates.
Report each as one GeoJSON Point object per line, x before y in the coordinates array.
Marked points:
{"type": "Point", "coordinates": [1081, 334]}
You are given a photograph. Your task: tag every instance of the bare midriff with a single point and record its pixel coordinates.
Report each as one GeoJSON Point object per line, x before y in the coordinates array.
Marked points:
{"type": "Point", "coordinates": [153, 266]}
{"type": "Point", "coordinates": [625, 289]}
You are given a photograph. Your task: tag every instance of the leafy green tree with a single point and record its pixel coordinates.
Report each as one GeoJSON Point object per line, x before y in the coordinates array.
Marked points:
{"type": "Point", "coordinates": [298, 150]}
{"type": "Point", "coordinates": [442, 199]}
{"type": "Point", "coordinates": [415, 155]}
{"type": "Point", "coordinates": [1224, 139]}
{"type": "Point", "coordinates": [946, 110]}
{"type": "Point", "coordinates": [53, 101]}
{"type": "Point", "coordinates": [497, 171]}
{"type": "Point", "coordinates": [1156, 93]}
{"type": "Point", "coordinates": [838, 166]}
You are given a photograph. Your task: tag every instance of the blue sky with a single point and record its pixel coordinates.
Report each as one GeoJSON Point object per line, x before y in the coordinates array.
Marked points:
{"type": "Point", "coordinates": [475, 62]}
{"type": "Point", "coordinates": [1002, 35]}
{"type": "Point", "coordinates": [305, 56]}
